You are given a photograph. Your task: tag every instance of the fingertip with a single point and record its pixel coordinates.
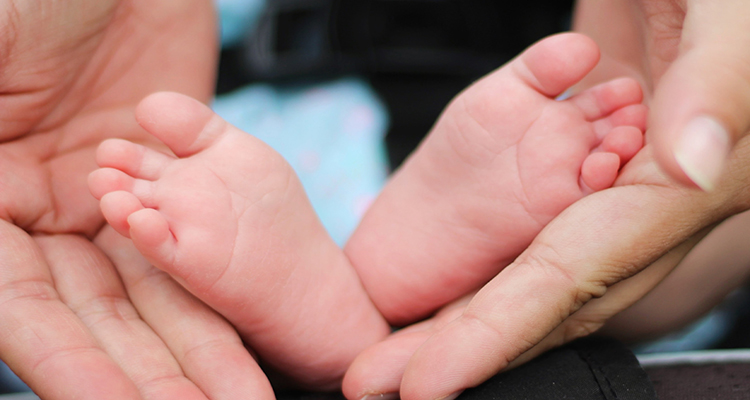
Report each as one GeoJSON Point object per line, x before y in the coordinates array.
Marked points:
{"type": "Point", "coordinates": [376, 373]}
{"type": "Point", "coordinates": [701, 150]}
{"type": "Point", "coordinates": [701, 108]}
{"type": "Point", "coordinates": [461, 355]}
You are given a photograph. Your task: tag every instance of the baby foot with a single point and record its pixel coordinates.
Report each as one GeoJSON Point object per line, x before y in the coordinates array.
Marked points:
{"type": "Point", "coordinates": [226, 216]}
{"type": "Point", "coordinates": [503, 160]}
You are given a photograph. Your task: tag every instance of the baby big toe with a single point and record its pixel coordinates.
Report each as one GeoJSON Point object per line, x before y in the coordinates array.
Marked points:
{"type": "Point", "coordinates": [184, 124]}
{"type": "Point", "coordinates": [556, 63]}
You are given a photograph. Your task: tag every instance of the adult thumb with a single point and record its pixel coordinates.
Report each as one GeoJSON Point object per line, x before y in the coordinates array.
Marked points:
{"type": "Point", "coordinates": [701, 105]}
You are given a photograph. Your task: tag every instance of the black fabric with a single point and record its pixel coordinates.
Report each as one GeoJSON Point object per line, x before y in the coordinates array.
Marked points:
{"type": "Point", "coordinates": [588, 369]}
{"type": "Point", "coordinates": [704, 382]}
{"type": "Point", "coordinates": [597, 369]}
{"type": "Point", "coordinates": [304, 38]}
{"type": "Point", "coordinates": [615, 368]}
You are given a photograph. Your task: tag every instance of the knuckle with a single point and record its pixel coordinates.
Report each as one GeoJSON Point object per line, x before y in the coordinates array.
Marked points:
{"type": "Point", "coordinates": [582, 285]}
{"type": "Point", "coordinates": [575, 328]}
{"type": "Point", "coordinates": [104, 309]}
{"type": "Point", "coordinates": [26, 290]}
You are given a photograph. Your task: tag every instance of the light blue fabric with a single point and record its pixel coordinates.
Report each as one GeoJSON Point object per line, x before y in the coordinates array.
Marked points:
{"type": "Point", "coordinates": [237, 18]}
{"type": "Point", "coordinates": [10, 382]}
{"type": "Point", "coordinates": [332, 135]}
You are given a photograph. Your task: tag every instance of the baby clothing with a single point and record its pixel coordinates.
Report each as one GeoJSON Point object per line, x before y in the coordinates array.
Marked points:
{"type": "Point", "coordinates": [331, 134]}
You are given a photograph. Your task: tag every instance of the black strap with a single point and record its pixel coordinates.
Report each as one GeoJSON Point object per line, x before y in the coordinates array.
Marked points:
{"type": "Point", "coordinates": [593, 368]}
{"type": "Point", "coordinates": [588, 369]}
{"type": "Point", "coordinates": [719, 380]}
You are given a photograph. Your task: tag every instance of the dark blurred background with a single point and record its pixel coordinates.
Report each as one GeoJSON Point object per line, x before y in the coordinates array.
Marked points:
{"type": "Point", "coordinates": [416, 54]}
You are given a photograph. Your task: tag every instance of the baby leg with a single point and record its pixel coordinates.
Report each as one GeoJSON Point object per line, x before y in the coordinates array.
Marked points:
{"type": "Point", "coordinates": [226, 216]}
{"type": "Point", "coordinates": [503, 160]}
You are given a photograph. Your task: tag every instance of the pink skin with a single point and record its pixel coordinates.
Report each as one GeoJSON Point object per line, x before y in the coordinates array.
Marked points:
{"type": "Point", "coordinates": [504, 159]}
{"type": "Point", "coordinates": [692, 57]}
{"type": "Point", "coordinates": [76, 324]}
{"type": "Point", "coordinates": [227, 217]}
{"type": "Point", "coordinates": [608, 250]}
{"type": "Point", "coordinates": [229, 220]}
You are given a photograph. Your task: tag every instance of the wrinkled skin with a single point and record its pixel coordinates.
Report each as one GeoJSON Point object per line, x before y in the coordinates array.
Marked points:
{"type": "Point", "coordinates": [609, 250]}
{"type": "Point", "coordinates": [82, 315]}
{"type": "Point", "coordinates": [71, 73]}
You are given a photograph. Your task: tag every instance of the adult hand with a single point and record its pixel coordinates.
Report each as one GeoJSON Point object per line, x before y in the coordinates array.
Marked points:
{"type": "Point", "coordinates": [74, 324]}
{"type": "Point", "coordinates": [585, 267]}
{"type": "Point", "coordinates": [699, 53]}
{"type": "Point", "coordinates": [590, 263]}
{"type": "Point", "coordinates": [79, 326]}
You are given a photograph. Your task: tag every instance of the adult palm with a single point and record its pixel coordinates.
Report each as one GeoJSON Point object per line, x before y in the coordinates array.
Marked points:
{"type": "Point", "coordinates": [70, 74]}
{"type": "Point", "coordinates": [81, 314]}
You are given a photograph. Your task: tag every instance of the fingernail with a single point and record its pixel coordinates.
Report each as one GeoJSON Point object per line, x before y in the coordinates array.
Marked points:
{"type": "Point", "coordinates": [452, 396]}
{"type": "Point", "coordinates": [702, 150]}
{"type": "Point", "coordinates": [381, 396]}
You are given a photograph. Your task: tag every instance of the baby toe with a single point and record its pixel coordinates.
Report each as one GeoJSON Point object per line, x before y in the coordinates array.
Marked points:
{"type": "Point", "coordinates": [633, 115]}
{"type": "Point", "coordinates": [625, 141]}
{"type": "Point", "coordinates": [107, 180]}
{"type": "Point", "coordinates": [184, 124]}
{"type": "Point", "coordinates": [133, 159]}
{"type": "Point", "coordinates": [153, 237]}
{"type": "Point", "coordinates": [607, 98]}
{"type": "Point", "coordinates": [556, 63]}
{"type": "Point", "coordinates": [117, 207]}
{"type": "Point", "coordinates": [599, 171]}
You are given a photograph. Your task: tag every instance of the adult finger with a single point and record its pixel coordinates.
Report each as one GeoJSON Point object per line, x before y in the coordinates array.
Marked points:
{"type": "Point", "coordinates": [88, 284]}
{"type": "Point", "coordinates": [701, 105]}
{"type": "Point", "coordinates": [594, 314]}
{"type": "Point", "coordinates": [41, 339]}
{"type": "Point", "coordinates": [712, 270]}
{"type": "Point", "coordinates": [602, 239]}
{"type": "Point", "coordinates": [208, 349]}
{"type": "Point", "coordinates": [376, 373]}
